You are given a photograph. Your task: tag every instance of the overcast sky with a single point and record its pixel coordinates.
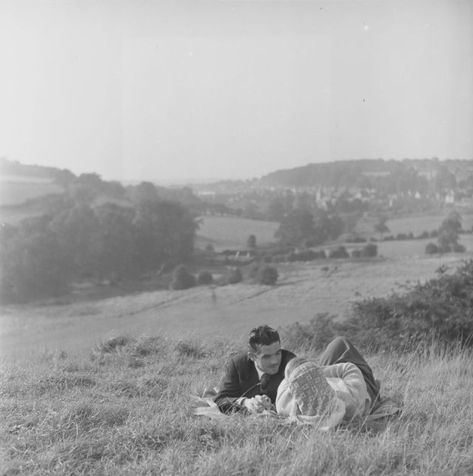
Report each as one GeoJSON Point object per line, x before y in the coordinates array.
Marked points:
{"type": "Point", "coordinates": [193, 90]}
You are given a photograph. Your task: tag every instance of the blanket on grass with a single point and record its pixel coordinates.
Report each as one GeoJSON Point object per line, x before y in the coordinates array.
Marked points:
{"type": "Point", "coordinates": [386, 407]}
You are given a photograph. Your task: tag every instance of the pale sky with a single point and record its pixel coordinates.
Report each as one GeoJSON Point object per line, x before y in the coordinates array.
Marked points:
{"type": "Point", "coordinates": [194, 90]}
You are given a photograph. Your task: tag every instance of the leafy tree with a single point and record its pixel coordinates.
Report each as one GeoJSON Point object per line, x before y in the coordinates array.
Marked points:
{"type": "Point", "coordinates": [78, 232]}
{"type": "Point", "coordinates": [234, 276]}
{"type": "Point", "coordinates": [143, 193]}
{"type": "Point", "coordinates": [326, 227]}
{"type": "Point", "coordinates": [64, 177]}
{"type": "Point", "coordinates": [339, 252]}
{"type": "Point", "coordinates": [267, 275]}
{"type": "Point", "coordinates": [431, 248]}
{"type": "Point", "coordinates": [380, 225]}
{"type": "Point", "coordinates": [448, 232]}
{"type": "Point", "coordinates": [34, 265]}
{"type": "Point", "coordinates": [303, 201]}
{"type": "Point", "coordinates": [369, 251]}
{"type": "Point", "coordinates": [251, 211]}
{"type": "Point", "coordinates": [114, 190]}
{"type": "Point", "coordinates": [205, 277]}
{"type": "Point", "coordinates": [251, 242]}
{"type": "Point", "coordinates": [444, 180]}
{"type": "Point", "coordinates": [164, 233]}
{"type": "Point", "coordinates": [86, 188]}
{"type": "Point", "coordinates": [276, 209]}
{"type": "Point", "coordinates": [116, 236]}
{"type": "Point", "coordinates": [295, 227]}
{"type": "Point", "coordinates": [182, 279]}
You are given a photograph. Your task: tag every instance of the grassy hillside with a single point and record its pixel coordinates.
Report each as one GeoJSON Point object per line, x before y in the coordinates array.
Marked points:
{"type": "Point", "coordinates": [303, 289]}
{"type": "Point", "coordinates": [15, 192]}
{"type": "Point", "coordinates": [124, 408]}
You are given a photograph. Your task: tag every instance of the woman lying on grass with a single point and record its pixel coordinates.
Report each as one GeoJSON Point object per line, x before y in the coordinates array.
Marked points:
{"type": "Point", "coordinates": [332, 394]}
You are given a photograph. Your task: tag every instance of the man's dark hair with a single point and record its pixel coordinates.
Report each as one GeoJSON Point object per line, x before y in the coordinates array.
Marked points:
{"type": "Point", "coordinates": [262, 335]}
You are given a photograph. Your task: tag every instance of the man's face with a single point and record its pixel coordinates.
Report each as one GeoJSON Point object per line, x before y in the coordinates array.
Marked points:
{"type": "Point", "coordinates": [267, 358]}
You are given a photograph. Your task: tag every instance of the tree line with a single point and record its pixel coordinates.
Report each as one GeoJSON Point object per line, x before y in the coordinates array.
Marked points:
{"type": "Point", "coordinates": [386, 176]}
{"type": "Point", "coordinates": [78, 240]}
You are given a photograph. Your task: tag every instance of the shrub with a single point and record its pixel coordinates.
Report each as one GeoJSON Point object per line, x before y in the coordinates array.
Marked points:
{"type": "Point", "coordinates": [267, 275]}
{"type": "Point", "coordinates": [253, 272]}
{"type": "Point", "coordinates": [313, 336]}
{"type": "Point", "coordinates": [182, 279]}
{"type": "Point", "coordinates": [251, 242]}
{"type": "Point", "coordinates": [356, 254]}
{"type": "Point", "coordinates": [291, 257]}
{"type": "Point", "coordinates": [234, 276]}
{"type": "Point", "coordinates": [340, 252]}
{"type": "Point", "coordinates": [351, 238]}
{"type": "Point", "coordinates": [190, 348]}
{"type": "Point", "coordinates": [439, 309]}
{"type": "Point", "coordinates": [445, 248]}
{"type": "Point", "coordinates": [279, 258]}
{"type": "Point", "coordinates": [458, 248]}
{"type": "Point", "coordinates": [369, 251]}
{"type": "Point", "coordinates": [431, 248]}
{"type": "Point", "coordinates": [114, 343]}
{"type": "Point", "coordinates": [305, 255]}
{"type": "Point", "coordinates": [205, 277]}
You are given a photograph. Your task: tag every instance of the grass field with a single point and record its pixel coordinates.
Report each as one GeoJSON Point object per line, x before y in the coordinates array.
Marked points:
{"type": "Point", "coordinates": [124, 407]}
{"type": "Point", "coordinates": [410, 249]}
{"type": "Point", "coordinates": [103, 387]}
{"type": "Point", "coordinates": [303, 290]}
{"type": "Point", "coordinates": [17, 192]}
{"type": "Point", "coordinates": [419, 224]}
{"type": "Point", "coordinates": [233, 232]}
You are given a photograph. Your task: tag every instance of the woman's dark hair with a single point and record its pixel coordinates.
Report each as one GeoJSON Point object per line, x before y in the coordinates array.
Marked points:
{"type": "Point", "coordinates": [262, 335]}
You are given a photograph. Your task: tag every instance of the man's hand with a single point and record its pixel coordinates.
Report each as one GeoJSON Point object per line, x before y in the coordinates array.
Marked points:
{"type": "Point", "coordinates": [257, 404]}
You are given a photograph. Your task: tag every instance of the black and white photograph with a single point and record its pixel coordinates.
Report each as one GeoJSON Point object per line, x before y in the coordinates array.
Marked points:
{"type": "Point", "coordinates": [236, 237]}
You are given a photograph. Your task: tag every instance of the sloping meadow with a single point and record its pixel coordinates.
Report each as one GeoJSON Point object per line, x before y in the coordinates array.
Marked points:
{"type": "Point", "coordinates": [126, 408]}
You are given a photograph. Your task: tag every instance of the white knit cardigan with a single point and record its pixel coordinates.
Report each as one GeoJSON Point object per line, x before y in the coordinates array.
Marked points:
{"type": "Point", "coordinates": [349, 385]}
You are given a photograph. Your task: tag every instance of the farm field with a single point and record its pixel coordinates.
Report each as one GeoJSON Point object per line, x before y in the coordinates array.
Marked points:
{"type": "Point", "coordinates": [415, 248]}
{"type": "Point", "coordinates": [233, 232]}
{"type": "Point", "coordinates": [418, 224]}
{"type": "Point", "coordinates": [14, 192]}
{"type": "Point", "coordinates": [303, 290]}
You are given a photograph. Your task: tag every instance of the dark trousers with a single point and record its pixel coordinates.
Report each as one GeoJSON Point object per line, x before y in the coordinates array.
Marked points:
{"type": "Point", "coordinates": [341, 350]}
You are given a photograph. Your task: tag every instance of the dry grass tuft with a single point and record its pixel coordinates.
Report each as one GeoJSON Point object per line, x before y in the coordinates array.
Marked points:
{"type": "Point", "coordinates": [85, 416]}
{"type": "Point", "coordinates": [114, 343]}
{"type": "Point", "coordinates": [192, 349]}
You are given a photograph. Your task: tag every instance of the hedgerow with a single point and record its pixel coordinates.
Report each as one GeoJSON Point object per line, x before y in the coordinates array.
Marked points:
{"type": "Point", "coordinates": [439, 309]}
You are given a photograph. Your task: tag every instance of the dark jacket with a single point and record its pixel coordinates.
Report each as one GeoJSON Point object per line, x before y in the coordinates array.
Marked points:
{"type": "Point", "coordinates": [241, 380]}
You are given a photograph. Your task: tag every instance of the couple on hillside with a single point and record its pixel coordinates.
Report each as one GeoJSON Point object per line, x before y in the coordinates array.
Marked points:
{"type": "Point", "coordinates": [266, 377]}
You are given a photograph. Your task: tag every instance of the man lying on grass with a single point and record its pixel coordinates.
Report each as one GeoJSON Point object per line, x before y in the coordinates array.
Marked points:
{"type": "Point", "coordinates": [251, 379]}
